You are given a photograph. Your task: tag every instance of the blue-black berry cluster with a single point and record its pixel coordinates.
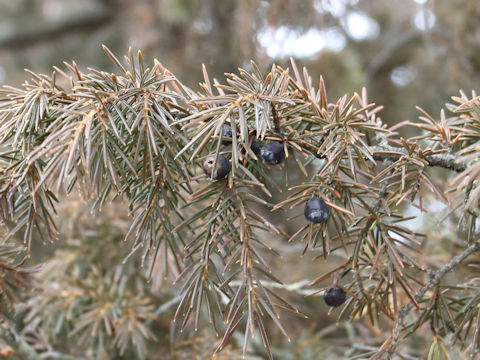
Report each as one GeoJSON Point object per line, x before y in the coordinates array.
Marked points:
{"type": "Point", "coordinates": [272, 152]}
{"type": "Point", "coordinates": [227, 135]}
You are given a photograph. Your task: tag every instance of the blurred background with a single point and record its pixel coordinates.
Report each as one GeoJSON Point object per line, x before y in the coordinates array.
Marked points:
{"type": "Point", "coordinates": [406, 52]}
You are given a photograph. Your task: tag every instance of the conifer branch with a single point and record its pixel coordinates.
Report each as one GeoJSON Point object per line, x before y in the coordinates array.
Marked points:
{"type": "Point", "coordinates": [143, 137]}
{"type": "Point", "coordinates": [435, 280]}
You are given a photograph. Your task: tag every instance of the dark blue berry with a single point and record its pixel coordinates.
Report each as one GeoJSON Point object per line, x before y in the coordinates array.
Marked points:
{"type": "Point", "coordinates": [334, 297]}
{"type": "Point", "coordinates": [273, 153]}
{"type": "Point", "coordinates": [227, 133]}
{"type": "Point", "coordinates": [316, 210]}
{"type": "Point", "coordinates": [255, 147]}
{"type": "Point", "coordinates": [221, 170]}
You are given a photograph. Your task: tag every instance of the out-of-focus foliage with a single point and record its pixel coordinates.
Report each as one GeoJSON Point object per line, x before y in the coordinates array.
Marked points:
{"type": "Point", "coordinates": [406, 52]}
{"type": "Point", "coordinates": [15, 277]}
{"type": "Point", "coordinates": [88, 297]}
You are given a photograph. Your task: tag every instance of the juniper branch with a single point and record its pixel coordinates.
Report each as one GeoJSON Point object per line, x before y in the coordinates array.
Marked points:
{"type": "Point", "coordinates": [137, 141]}
{"type": "Point", "coordinates": [434, 281]}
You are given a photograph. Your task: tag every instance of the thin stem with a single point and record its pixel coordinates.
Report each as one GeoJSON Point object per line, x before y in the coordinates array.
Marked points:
{"type": "Point", "coordinates": [447, 161]}
{"type": "Point", "coordinates": [393, 153]}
